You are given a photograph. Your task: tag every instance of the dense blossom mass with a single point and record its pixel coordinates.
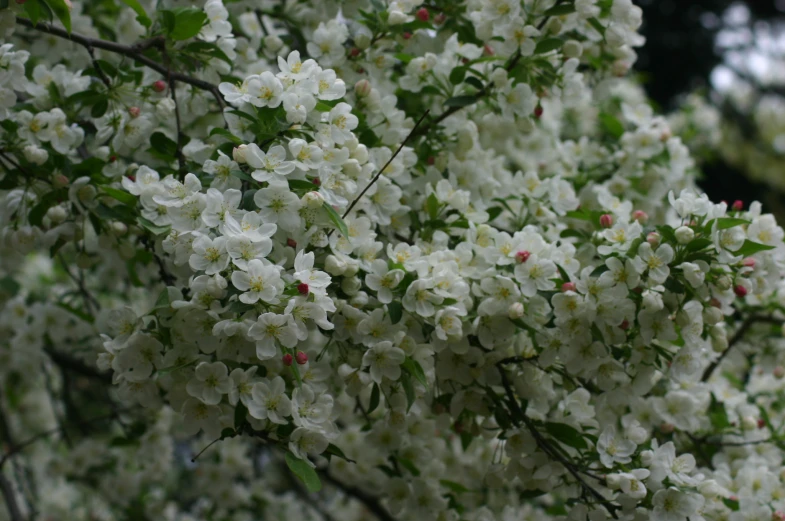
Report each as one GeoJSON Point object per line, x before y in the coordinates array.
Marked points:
{"type": "Point", "coordinates": [370, 260]}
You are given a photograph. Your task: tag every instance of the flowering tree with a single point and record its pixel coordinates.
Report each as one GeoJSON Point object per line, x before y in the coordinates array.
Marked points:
{"type": "Point", "coordinates": [367, 260]}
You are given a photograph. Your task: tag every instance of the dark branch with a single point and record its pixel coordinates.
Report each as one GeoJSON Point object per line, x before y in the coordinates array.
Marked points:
{"type": "Point", "coordinates": [737, 336]}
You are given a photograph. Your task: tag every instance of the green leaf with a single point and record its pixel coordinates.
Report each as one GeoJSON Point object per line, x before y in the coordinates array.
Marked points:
{"type": "Point", "coordinates": [336, 451]}
{"type": "Point", "coordinates": [162, 302]}
{"type": "Point", "coordinates": [474, 82]}
{"type": "Point", "coordinates": [452, 485]}
{"type": "Point", "coordinates": [433, 206]}
{"type": "Point", "coordinates": [299, 185]}
{"type": "Point", "coordinates": [374, 403]}
{"type": "Point", "coordinates": [457, 75]}
{"type": "Point", "coordinates": [141, 15]}
{"type": "Point", "coordinates": [37, 213]}
{"type": "Point", "coordinates": [597, 25]}
{"type": "Point", "coordinates": [395, 309]}
{"type": "Point", "coordinates": [242, 175]}
{"type": "Point", "coordinates": [121, 195]}
{"type": "Point", "coordinates": [461, 101]}
{"type": "Point", "coordinates": [699, 244]}
{"type": "Point", "coordinates": [560, 10]}
{"type": "Point", "coordinates": [3, 4]}
{"type": "Point", "coordinates": [163, 145]}
{"type": "Point", "coordinates": [408, 388]}
{"type": "Point", "coordinates": [99, 108]}
{"type": "Point", "coordinates": [750, 248]}
{"type": "Point", "coordinates": [225, 133]}
{"type": "Point", "coordinates": [718, 415]}
{"type": "Point", "coordinates": [732, 504]}
{"type": "Point", "coordinates": [33, 10]}
{"type": "Point", "coordinates": [494, 212]}
{"type": "Point", "coordinates": [152, 227]}
{"type": "Point", "coordinates": [723, 223]}
{"type": "Point", "coordinates": [170, 369]}
{"type": "Point", "coordinates": [336, 219]}
{"type": "Point", "coordinates": [186, 23]}
{"type": "Point", "coordinates": [567, 435]}
{"type": "Point", "coordinates": [548, 45]}
{"type": "Point", "coordinates": [240, 413]}
{"type": "Point", "coordinates": [408, 465]}
{"type": "Point", "coordinates": [62, 11]}
{"type": "Point", "coordinates": [208, 49]}
{"type": "Point", "coordinates": [9, 286]}
{"type": "Point", "coordinates": [414, 368]}
{"type": "Point", "coordinates": [611, 125]}
{"type": "Point", "coordinates": [304, 471]}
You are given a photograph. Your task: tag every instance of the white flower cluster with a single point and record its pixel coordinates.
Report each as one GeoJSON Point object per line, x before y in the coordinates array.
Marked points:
{"type": "Point", "coordinates": [478, 285]}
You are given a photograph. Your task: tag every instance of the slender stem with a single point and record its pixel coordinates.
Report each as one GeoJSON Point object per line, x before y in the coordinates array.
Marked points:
{"type": "Point", "coordinates": [132, 51]}
{"type": "Point", "coordinates": [382, 169]}
{"type": "Point", "coordinates": [737, 336]}
{"type": "Point", "coordinates": [370, 502]}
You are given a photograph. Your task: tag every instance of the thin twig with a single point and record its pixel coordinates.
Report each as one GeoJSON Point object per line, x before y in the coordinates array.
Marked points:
{"type": "Point", "coordinates": [737, 336]}
{"type": "Point", "coordinates": [382, 169]}
{"type": "Point", "coordinates": [370, 502]}
{"type": "Point", "coordinates": [97, 67]}
{"type": "Point", "coordinates": [132, 51]}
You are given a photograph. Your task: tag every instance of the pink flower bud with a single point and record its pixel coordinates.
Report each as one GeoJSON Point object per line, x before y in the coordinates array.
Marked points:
{"type": "Point", "coordinates": [737, 205]}
{"type": "Point", "coordinates": [362, 88]}
{"type": "Point", "coordinates": [568, 286]}
{"type": "Point", "coordinates": [134, 111]}
{"type": "Point", "coordinates": [316, 181]}
{"type": "Point", "coordinates": [761, 423]}
{"type": "Point", "coordinates": [440, 18]}
{"type": "Point", "coordinates": [291, 243]}
{"type": "Point", "coordinates": [60, 181]}
{"type": "Point", "coordinates": [779, 372]}
{"type": "Point", "coordinates": [667, 428]}
{"type": "Point", "coordinates": [303, 289]}
{"type": "Point", "coordinates": [423, 15]}
{"type": "Point", "coordinates": [159, 86]}
{"type": "Point", "coordinates": [487, 50]}
{"type": "Point", "coordinates": [287, 359]}
{"type": "Point", "coordinates": [406, 36]}
{"type": "Point", "coordinates": [778, 515]}
{"type": "Point", "coordinates": [354, 52]}
{"type": "Point", "coordinates": [301, 357]}
{"type": "Point", "coordinates": [740, 291]}
{"type": "Point", "coordinates": [640, 216]}
{"type": "Point", "coordinates": [606, 220]}
{"type": "Point", "coordinates": [625, 325]}
{"type": "Point", "coordinates": [538, 110]}
{"type": "Point", "coordinates": [749, 262]}
{"type": "Point", "coordinates": [522, 256]}
{"type": "Point", "coordinates": [653, 238]}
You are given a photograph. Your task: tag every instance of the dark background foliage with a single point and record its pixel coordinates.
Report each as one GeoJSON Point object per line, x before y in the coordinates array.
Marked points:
{"type": "Point", "coordinates": [679, 56]}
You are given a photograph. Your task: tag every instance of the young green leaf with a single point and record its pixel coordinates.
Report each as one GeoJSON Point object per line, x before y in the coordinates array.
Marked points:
{"type": "Point", "coordinates": [336, 219]}
{"type": "Point", "coordinates": [304, 471]}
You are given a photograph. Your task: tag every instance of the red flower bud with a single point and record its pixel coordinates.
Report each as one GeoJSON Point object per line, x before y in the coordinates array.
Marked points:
{"type": "Point", "coordinates": [303, 288]}
{"type": "Point", "coordinates": [568, 286]}
{"type": "Point", "coordinates": [134, 111]}
{"type": "Point", "coordinates": [301, 357]}
{"type": "Point", "coordinates": [522, 256]}
{"type": "Point", "coordinates": [423, 15]}
{"type": "Point", "coordinates": [287, 359]}
{"type": "Point", "coordinates": [431, 160]}
{"type": "Point", "coordinates": [316, 181]}
{"type": "Point", "coordinates": [406, 36]}
{"type": "Point", "coordinates": [640, 216]}
{"type": "Point", "coordinates": [487, 50]}
{"type": "Point", "coordinates": [606, 220]}
{"type": "Point", "coordinates": [159, 86]}
{"type": "Point", "coordinates": [625, 325]}
{"type": "Point", "coordinates": [291, 243]}
{"type": "Point", "coordinates": [439, 18]}
{"type": "Point", "coordinates": [740, 291]}
{"type": "Point", "coordinates": [737, 205]}
{"type": "Point", "coordinates": [354, 52]}
{"type": "Point", "coordinates": [761, 423]}
{"type": "Point", "coordinates": [538, 110]}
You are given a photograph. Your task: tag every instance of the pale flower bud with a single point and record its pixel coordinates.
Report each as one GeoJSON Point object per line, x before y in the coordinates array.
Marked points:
{"type": "Point", "coordinates": [647, 458]}
{"type": "Point", "coordinates": [397, 17]}
{"type": "Point", "coordinates": [723, 283]}
{"type": "Point", "coordinates": [515, 310]}
{"type": "Point", "coordinates": [712, 315]}
{"type": "Point", "coordinates": [119, 229]}
{"type": "Point", "coordinates": [239, 153]}
{"type": "Point", "coordinates": [359, 300]}
{"type": "Point", "coordinates": [684, 234]}
{"type": "Point", "coordinates": [362, 88]}
{"type": "Point", "coordinates": [36, 155]}
{"type": "Point", "coordinates": [749, 423]}
{"type": "Point", "coordinates": [57, 214]}
{"type": "Point", "coordinates": [126, 251]}
{"type": "Point", "coordinates": [613, 481]}
{"type": "Point", "coordinates": [351, 285]}
{"type": "Point", "coordinates": [572, 49]}
{"type": "Point", "coordinates": [273, 43]}
{"type": "Point", "coordinates": [313, 200]}
{"type": "Point", "coordinates": [362, 40]}
{"type": "Point", "coordinates": [334, 266]}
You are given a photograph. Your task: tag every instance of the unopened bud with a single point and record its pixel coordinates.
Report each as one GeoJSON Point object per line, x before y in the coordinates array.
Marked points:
{"type": "Point", "coordinates": [723, 283]}
{"type": "Point", "coordinates": [684, 234]}
{"type": "Point", "coordinates": [313, 200]}
{"type": "Point", "coordinates": [740, 291]}
{"type": "Point", "coordinates": [303, 288]}
{"type": "Point", "coordinates": [439, 19]}
{"type": "Point", "coordinates": [522, 256]}
{"type": "Point", "coordinates": [749, 423]}
{"type": "Point", "coordinates": [779, 372]}
{"type": "Point", "coordinates": [667, 428]}
{"type": "Point", "coordinates": [748, 262]}
{"type": "Point", "coordinates": [653, 238]}
{"type": "Point", "coordinates": [515, 311]}
{"type": "Point", "coordinates": [159, 86]}
{"type": "Point", "coordinates": [134, 111]}
{"type": "Point", "coordinates": [57, 214]}
{"type": "Point", "coordinates": [119, 229]}
{"type": "Point", "coordinates": [572, 49]}
{"type": "Point", "coordinates": [273, 43]}
{"type": "Point", "coordinates": [568, 286]}
{"type": "Point", "coordinates": [396, 17]}
{"type": "Point", "coordinates": [362, 88]}
{"type": "Point", "coordinates": [712, 315]}
{"type": "Point", "coordinates": [60, 181]}
{"type": "Point", "coordinates": [291, 243]}
{"type": "Point", "coordinates": [287, 359]}
{"type": "Point", "coordinates": [301, 358]}
{"type": "Point", "coordinates": [606, 220]}
{"type": "Point", "coordinates": [737, 205]}
{"type": "Point", "coordinates": [239, 154]}
{"type": "Point", "coordinates": [423, 15]}
{"type": "Point", "coordinates": [640, 216]}
{"type": "Point", "coordinates": [538, 111]}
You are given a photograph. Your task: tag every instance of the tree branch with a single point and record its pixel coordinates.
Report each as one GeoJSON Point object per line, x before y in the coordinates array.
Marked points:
{"type": "Point", "coordinates": [131, 51]}
{"type": "Point", "coordinates": [737, 336]}
{"type": "Point", "coordinates": [370, 502]}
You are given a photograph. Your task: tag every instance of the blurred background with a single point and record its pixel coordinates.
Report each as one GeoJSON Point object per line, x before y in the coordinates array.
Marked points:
{"type": "Point", "coordinates": [718, 67]}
